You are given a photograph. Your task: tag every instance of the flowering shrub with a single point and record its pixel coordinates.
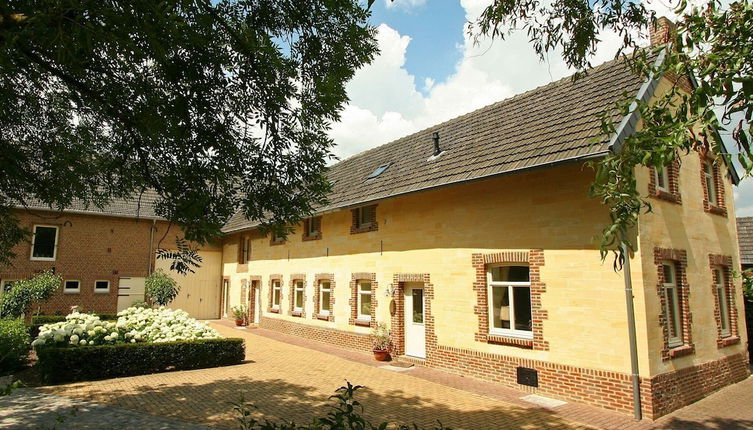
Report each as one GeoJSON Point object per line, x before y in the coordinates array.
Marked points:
{"type": "Point", "coordinates": [162, 325]}
{"type": "Point", "coordinates": [133, 325]}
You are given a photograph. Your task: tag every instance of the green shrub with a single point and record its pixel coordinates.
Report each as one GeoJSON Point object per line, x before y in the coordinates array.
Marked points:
{"type": "Point", "coordinates": [14, 344]}
{"type": "Point", "coordinates": [49, 319]}
{"type": "Point", "coordinates": [17, 301]}
{"type": "Point", "coordinates": [161, 288]}
{"type": "Point", "coordinates": [83, 363]}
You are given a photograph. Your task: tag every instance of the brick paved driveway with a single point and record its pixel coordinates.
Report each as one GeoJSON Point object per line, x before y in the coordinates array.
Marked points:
{"type": "Point", "coordinates": [294, 381]}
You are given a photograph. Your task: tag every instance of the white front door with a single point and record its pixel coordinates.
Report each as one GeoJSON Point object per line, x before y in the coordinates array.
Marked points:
{"type": "Point", "coordinates": [415, 331]}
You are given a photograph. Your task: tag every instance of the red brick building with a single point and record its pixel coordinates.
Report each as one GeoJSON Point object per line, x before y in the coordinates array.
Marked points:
{"type": "Point", "coordinates": [103, 255]}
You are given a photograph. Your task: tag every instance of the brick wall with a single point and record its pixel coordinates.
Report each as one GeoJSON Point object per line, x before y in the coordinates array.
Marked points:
{"type": "Point", "coordinates": [90, 248]}
{"type": "Point", "coordinates": [339, 338]}
{"type": "Point", "coordinates": [673, 390]}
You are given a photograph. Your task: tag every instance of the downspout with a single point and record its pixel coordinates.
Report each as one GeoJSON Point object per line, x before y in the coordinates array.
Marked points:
{"type": "Point", "coordinates": [151, 245]}
{"type": "Point", "coordinates": [635, 375]}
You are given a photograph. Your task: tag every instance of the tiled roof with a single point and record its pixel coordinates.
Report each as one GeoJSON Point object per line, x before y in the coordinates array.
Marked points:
{"type": "Point", "coordinates": [139, 206]}
{"type": "Point", "coordinates": [550, 124]}
{"type": "Point", "coordinates": [745, 239]}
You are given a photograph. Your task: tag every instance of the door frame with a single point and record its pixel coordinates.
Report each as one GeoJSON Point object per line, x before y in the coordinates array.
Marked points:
{"type": "Point", "coordinates": [224, 296]}
{"type": "Point", "coordinates": [397, 309]}
{"type": "Point", "coordinates": [408, 320]}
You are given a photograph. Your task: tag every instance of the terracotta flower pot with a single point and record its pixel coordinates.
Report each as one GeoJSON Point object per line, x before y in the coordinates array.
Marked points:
{"type": "Point", "coordinates": [239, 322]}
{"type": "Point", "coordinates": [382, 355]}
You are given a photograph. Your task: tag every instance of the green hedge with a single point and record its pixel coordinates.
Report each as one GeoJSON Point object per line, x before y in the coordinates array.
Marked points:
{"type": "Point", "coordinates": [14, 344]}
{"type": "Point", "coordinates": [49, 319]}
{"type": "Point", "coordinates": [83, 363]}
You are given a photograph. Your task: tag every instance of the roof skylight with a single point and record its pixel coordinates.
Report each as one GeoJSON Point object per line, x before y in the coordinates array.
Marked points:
{"type": "Point", "coordinates": [379, 170]}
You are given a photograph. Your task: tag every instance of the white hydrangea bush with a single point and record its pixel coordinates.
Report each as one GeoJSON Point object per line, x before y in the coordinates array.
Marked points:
{"type": "Point", "coordinates": [135, 324]}
{"type": "Point", "coordinates": [162, 325]}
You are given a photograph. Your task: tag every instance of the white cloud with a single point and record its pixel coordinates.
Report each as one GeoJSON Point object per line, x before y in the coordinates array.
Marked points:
{"type": "Point", "coordinates": [386, 102]}
{"type": "Point", "coordinates": [404, 4]}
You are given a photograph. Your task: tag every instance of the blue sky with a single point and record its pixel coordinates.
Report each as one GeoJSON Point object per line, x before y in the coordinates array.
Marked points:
{"type": "Point", "coordinates": [436, 31]}
{"type": "Point", "coordinates": [429, 70]}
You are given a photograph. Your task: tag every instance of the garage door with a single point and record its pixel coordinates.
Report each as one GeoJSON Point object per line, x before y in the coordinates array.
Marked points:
{"type": "Point", "coordinates": [130, 291]}
{"type": "Point", "coordinates": [199, 292]}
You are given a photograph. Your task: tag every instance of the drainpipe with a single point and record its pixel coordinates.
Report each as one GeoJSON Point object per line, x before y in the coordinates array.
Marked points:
{"type": "Point", "coordinates": [151, 245]}
{"type": "Point", "coordinates": [635, 375]}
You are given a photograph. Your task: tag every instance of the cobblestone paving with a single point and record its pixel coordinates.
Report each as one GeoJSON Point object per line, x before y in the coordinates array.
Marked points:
{"type": "Point", "coordinates": [292, 378]}
{"type": "Point", "coordinates": [288, 381]}
{"type": "Point", "coordinates": [31, 409]}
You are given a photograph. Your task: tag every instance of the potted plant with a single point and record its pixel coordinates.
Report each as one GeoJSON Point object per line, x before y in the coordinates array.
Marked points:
{"type": "Point", "coordinates": [381, 341]}
{"type": "Point", "coordinates": [239, 312]}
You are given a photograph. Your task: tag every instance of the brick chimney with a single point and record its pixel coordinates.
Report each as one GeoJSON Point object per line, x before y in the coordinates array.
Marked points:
{"type": "Point", "coordinates": [661, 31]}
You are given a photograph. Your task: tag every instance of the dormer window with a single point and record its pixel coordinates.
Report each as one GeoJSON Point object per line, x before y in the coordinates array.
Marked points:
{"type": "Point", "coordinates": [379, 170]}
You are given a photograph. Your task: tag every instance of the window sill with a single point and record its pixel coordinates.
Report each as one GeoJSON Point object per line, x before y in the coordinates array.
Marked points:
{"type": "Point", "coordinates": [323, 317]}
{"type": "Point", "coordinates": [314, 237]}
{"type": "Point", "coordinates": [72, 292]}
{"type": "Point", "coordinates": [681, 351]}
{"type": "Point", "coordinates": [520, 342]}
{"type": "Point", "coordinates": [667, 197]}
{"type": "Point", "coordinates": [728, 341]}
{"type": "Point", "coordinates": [274, 311]}
{"type": "Point", "coordinates": [298, 314]}
{"type": "Point", "coordinates": [717, 211]}
{"type": "Point", "coordinates": [364, 229]}
{"type": "Point", "coordinates": [101, 292]}
{"type": "Point", "coordinates": [41, 259]}
{"type": "Point", "coordinates": [362, 323]}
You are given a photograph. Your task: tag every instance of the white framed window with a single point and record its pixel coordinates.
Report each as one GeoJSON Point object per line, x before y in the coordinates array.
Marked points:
{"type": "Point", "coordinates": [364, 300]}
{"type": "Point", "coordinates": [710, 183]}
{"type": "Point", "coordinates": [44, 243]}
{"type": "Point", "coordinates": [662, 178]}
{"type": "Point", "coordinates": [276, 293]}
{"type": "Point", "coordinates": [365, 216]}
{"type": "Point", "coordinates": [101, 287]}
{"type": "Point", "coordinates": [721, 295]}
{"type": "Point", "coordinates": [71, 286]}
{"type": "Point", "coordinates": [6, 285]}
{"type": "Point", "coordinates": [325, 292]}
{"type": "Point", "coordinates": [672, 299]}
{"type": "Point", "coordinates": [509, 292]}
{"type": "Point", "coordinates": [298, 296]}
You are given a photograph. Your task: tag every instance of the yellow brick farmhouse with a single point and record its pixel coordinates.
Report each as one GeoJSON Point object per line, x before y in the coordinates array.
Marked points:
{"type": "Point", "coordinates": [474, 241]}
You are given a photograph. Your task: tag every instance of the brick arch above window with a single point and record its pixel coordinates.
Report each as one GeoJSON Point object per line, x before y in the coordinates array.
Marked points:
{"type": "Point", "coordinates": [534, 259]}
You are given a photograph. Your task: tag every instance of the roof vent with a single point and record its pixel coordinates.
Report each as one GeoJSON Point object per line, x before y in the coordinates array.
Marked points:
{"type": "Point", "coordinates": [435, 138]}
{"type": "Point", "coordinates": [379, 170]}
